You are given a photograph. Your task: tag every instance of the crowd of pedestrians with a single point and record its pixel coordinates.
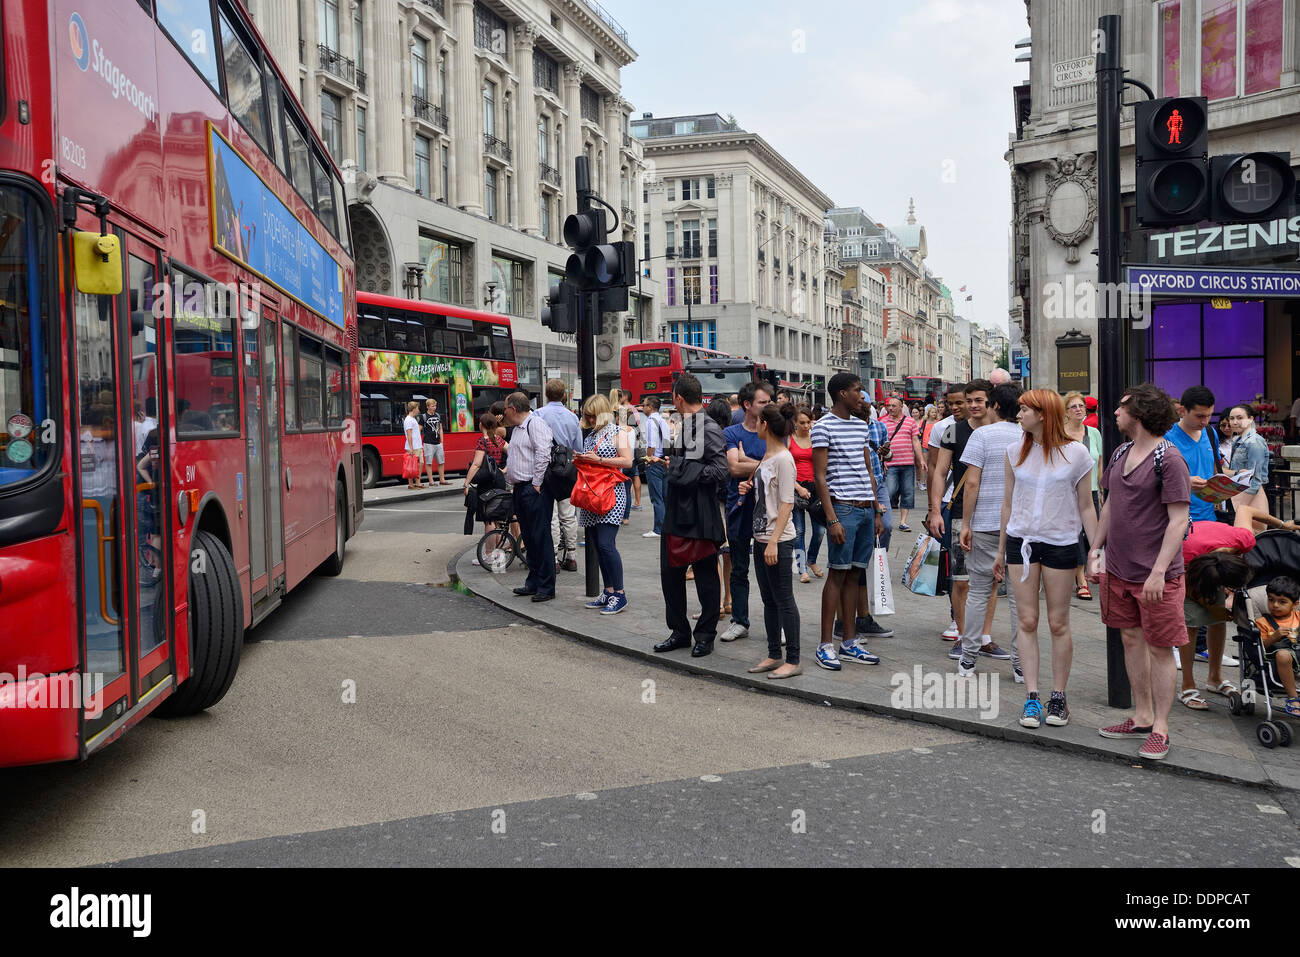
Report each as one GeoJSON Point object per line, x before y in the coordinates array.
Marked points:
{"type": "Point", "coordinates": [1017, 495]}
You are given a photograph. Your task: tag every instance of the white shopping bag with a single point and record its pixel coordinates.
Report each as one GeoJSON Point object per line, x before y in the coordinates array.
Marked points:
{"type": "Point", "coordinates": [882, 591]}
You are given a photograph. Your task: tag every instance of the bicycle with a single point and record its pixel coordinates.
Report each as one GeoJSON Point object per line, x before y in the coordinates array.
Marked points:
{"type": "Point", "coordinates": [498, 549]}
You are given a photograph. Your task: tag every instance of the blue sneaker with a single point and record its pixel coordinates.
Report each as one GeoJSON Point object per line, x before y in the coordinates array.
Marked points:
{"type": "Point", "coordinates": [616, 604]}
{"type": "Point", "coordinates": [827, 658]}
{"type": "Point", "coordinates": [966, 667]}
{"type": "Point", "coordinates": [1032, 715]}
{"type": "Point", "coordinates": [955, 651]}
{"type": "Point", "coordinates": [858, 653]}
{"type": "Point", "coordinates": [599, 602]}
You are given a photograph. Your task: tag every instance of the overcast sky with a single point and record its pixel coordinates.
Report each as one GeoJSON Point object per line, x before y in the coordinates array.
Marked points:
{"type": "Point", "coordinates": [888, 99]}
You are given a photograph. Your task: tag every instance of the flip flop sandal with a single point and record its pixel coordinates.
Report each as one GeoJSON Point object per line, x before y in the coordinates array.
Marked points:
{"type": "Point", "coordinates": [1293, 707]}
{"type": "Point", "coordinates": [1192, 698]}
{"type": "Point", "coordinates": [1224, 688]}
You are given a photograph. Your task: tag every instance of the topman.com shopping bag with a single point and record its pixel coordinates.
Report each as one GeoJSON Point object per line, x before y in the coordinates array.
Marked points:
{"type": "Point", "coordinates": [921, 573]}
{"type": "Point", "coordinates": [882, 590]}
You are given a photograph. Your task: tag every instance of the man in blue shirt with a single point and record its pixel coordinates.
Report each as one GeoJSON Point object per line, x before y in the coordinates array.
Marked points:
{"type": "Point", "coordinates": [1198, 443]}
{"type": "Point", "coordinates": [744, 451]}
{"type": "Point", "coordinates": [1199, 446]}
{"type": "Point", "coordinates": [564, 427]}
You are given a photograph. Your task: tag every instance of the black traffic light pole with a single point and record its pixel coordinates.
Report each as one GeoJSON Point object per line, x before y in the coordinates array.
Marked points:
{"type": "Point", "coordinates": [1112, 343]}
{"type": "Point", "coordinates": [588, 308]}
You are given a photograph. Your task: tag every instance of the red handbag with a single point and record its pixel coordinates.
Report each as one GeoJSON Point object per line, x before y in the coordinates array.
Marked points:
{"type": "Point", "coordinates": [411, 466]}
{"type": "Point", "coordinates": [688, 551]}
{"type": "Point", "coordinates": [594, 491]}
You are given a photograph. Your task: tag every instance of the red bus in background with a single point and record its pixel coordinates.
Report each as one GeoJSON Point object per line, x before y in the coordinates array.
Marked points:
{"type": "Point", "coordinates": [176, 397]}
{"type": "Point", "coordinates": [412, 350]}
{"type": "Point", "coordinates": [651, 367]}
{"type": "Point", "coordinates": [920, 388]}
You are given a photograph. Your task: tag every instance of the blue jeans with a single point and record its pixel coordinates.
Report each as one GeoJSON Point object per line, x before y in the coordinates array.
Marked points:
{"type": "Point", "coordinates": [657, 478]}
{"type": "Point", "coordinates": [611, 563]}
{"type": "Point", "coordinates": [740, 531]}
{"type": "Point", "coordinates": [818, 533]}
{"type": "Point", "coordinates": [900, 480]}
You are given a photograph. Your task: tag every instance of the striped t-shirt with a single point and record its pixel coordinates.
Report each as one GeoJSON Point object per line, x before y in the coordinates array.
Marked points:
{"type": "Point", "coordinates": [846, 468]}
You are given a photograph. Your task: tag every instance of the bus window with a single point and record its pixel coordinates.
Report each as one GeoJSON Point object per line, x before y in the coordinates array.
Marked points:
{"type": "Point", "coordinates": [415, 339]}
{"type": "Point", "coordinates": [502, 348]}
{"type": "Point", "coordinates": [290, 368]}
{"type": "Point", "coordinates": [478, 343]}
{"type": "Point", "coordinates": [204, 344]}
{"type": "Point", "coordinates": [377, 411]}
{"type": "Point", "coordinates": [370, 328]}
{"type": "Point", "coordinates": [397, 332]}
{"type": "Point", "coordinates": [299, 165]}
{"type": "Point", "coordinates": [483, 397]}
{"type": "Point", "coordinates": [336, 393]}
{"type": "Point", "coordinates": [275, 114]}
{"type": "Point", "coordinates": [244, 85]}
{"type": "Point", "coordinates": [648, 358]}
{"type": "Point", "coordinates": [189, 24]}
{"type": "Point", "coordinates": [310, 393]}
{"type": "Point", "coordinates": [344, 233]}
{"type": "Point", "coordinates": [324, 205]}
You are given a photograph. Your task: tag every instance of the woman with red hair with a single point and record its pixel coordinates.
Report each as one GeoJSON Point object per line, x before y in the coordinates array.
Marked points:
{"type": "Point", "coordinates": [1048, 500]}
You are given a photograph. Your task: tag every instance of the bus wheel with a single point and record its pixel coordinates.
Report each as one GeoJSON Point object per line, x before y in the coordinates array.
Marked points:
{"type": "Point", "coordinates": [216, 628]}
{"type": "Point", "coordinates": [334, 564]}
{"type": "Point", "coordinates": [371, 470]}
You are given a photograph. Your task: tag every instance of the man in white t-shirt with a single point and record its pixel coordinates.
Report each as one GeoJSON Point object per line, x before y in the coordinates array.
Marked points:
{"type": "Point", "coordinates": [985, 457]}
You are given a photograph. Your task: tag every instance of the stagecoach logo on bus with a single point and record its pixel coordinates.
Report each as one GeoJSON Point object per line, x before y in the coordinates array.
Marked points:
{"type": "Point", "coordinates": [84, 50]}
{"type": "Point", "coordinates": [35, 692]}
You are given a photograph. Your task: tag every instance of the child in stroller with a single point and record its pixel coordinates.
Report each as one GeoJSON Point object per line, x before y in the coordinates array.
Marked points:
{"type": "Point", "coordinates": [1276, 554]}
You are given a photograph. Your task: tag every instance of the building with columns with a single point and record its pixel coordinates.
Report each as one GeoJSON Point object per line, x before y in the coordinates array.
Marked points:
{"type": "Point", "coordinates": [456, 124]}
{"type": "Point", "coordinates": [733, 234]}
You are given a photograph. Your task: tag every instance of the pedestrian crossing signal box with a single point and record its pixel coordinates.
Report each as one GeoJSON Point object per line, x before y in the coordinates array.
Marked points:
{"type": "Point", "coordinates": [1171, 146]}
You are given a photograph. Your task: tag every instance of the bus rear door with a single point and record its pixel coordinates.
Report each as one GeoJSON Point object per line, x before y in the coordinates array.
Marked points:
{"type": "Point", "coordinates": [263, 487]}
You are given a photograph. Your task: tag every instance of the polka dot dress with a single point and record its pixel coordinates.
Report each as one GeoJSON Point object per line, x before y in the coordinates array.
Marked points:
{"type": "Point", "coordinates": [605, 444]}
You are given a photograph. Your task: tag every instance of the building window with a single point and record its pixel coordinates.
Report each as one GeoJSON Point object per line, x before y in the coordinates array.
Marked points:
{"type": "Point", "coordinates": [713, 285]}
{"type": "Point", "coordinates": [446, 179]}
{"type": "Point", "coordinates": [712, 188]}
{"type": "Point", "coordinates": [546, 216]}
{"type": "Point", "coordinates": [510, 279]}
{"type": "Point", "coordinates": [546, 72]}
{"type": "Point", "coordinates": [873, 248]}
{"type": "Point", "coordinates": [420, 68]}
{"type": "Point", "coordinates": [691, 237]}
{"type": "Point", "coordinates": [1237, 33]}
{"type": "Point", "coordinates": [780, 342]}
{"type": "Point", "coordinates": [686, 189]}
{"type": "Point", "coordinates": [358, 37]}
{"type": "Point", "coordinates": [442, 82]}
{"type": "Point", "coordinates": [441, 279]}
{"type": "Point", "coordinates": [672, 286]}
{"type": "Point", "coordinates": [590, 104]}
{"type": "Point", "coordinates": [490, 193]}
{"type": "Point", "coordinates": [327, 23]}
{"type": "Point", "coordinates": [361, 137]}
{"type": "Point", "coordinates": [489, 108]}
{"type": "Point", "coordinates": [422, 165]}
{"type": "Point", "coordinates": [1170, 40]}
{"type": "Point", "coordinates": [672, 192]}
{"type": "Point", "coordinates": [891, 365]}
{"type": "Point", "coordinates": [489, 31]}
{"type": "Point", "coordinates": [691, 285]}
{"type": "Point", "coordinates": [544, 139]}
{"type": "Point", "coordinates": [646, 244]}
{"type": "Point", "coordinates": [331, 123]}
{"type": "Point", "coordinates": [713, 237]}
{"type": "Point", "coordinates": [670, 238]}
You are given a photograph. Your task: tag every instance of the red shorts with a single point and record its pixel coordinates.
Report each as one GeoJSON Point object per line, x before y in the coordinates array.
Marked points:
{"type": "Point", "coordinates": [1162, 624]}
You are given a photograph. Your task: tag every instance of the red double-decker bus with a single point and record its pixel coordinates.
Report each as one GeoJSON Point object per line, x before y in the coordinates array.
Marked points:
{"type": "Point", "coordinates": [650, 368]}
{"type": "Point", "coordinates": [411, 351]}
{"type": "Point", "coordinates": [177, 335]}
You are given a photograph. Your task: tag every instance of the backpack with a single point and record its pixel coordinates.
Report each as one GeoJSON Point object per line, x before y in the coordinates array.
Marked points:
{"type": "Point", "coordinates": [1159, 456]}
{"type": "Point", "coordinates": [561, 472]}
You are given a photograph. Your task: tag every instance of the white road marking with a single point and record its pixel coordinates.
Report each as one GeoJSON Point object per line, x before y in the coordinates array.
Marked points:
{"type": "Point", "coordinates": [710, 778]}
{"type": "Point", "coordinates": [1269, 809]}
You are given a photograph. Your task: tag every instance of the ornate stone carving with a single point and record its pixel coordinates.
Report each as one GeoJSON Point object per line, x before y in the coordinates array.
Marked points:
{"type": "Point", "coordinates": [526, 35]}
{"type": "Point", "coordinates": [1070, 207]}
{"type": "Point", "coordinates": [574, 72]}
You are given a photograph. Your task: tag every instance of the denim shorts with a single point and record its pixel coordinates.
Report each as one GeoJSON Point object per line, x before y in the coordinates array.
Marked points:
{"type": "Point", "coordinates": [859, 526]}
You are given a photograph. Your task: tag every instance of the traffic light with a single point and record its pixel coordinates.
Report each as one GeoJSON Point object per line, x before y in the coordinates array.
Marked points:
{"type": "Point", "coordinates": [1171, 144]}
{"type": "Point", "coordinates": [560, 313]}
{"type": "Point", "coordinates": [1251, 187]}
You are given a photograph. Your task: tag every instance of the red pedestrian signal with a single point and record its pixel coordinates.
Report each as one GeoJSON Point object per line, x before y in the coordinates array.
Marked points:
{"type": "Point", "coordinates": [1175, 127]}
{"type": "Point", "coordinates": [1171, 143]}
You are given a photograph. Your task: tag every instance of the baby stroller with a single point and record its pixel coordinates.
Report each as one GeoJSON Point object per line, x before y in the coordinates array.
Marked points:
{"type": "Point", "coordinates": [1276, 552]}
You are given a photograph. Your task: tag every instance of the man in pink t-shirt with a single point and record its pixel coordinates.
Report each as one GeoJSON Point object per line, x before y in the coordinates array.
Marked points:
{"type": "Point", "coordinates": [905, 453]}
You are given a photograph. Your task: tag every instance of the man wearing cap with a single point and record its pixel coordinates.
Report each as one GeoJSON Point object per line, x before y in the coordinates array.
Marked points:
{"type": "Point", "coordinates": [1091, 417]}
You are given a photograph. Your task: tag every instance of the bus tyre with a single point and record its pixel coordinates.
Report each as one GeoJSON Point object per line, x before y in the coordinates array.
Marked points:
{"type": "Point", "coordinates": [216, 628]}
{"type": "Point", "coordinates": [371, 470]}
{"type": "Point", "coordinates": [334, 564]}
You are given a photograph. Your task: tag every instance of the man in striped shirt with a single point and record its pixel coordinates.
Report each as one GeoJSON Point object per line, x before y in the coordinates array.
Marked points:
{"type": "Point", "coordinates": [905, 453]}
{"type": "Point", "coordinates": [846, 485]}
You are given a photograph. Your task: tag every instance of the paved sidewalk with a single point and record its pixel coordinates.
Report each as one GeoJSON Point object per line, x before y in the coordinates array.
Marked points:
{"type": "Point", "coordinates": [398, 492]}
{"type": "Point", "coordinates": [1210, 743]}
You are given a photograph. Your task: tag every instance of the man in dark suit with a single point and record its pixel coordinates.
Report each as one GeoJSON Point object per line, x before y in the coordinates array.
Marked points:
{"type": "Point", "coordinates": [697, 470]}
